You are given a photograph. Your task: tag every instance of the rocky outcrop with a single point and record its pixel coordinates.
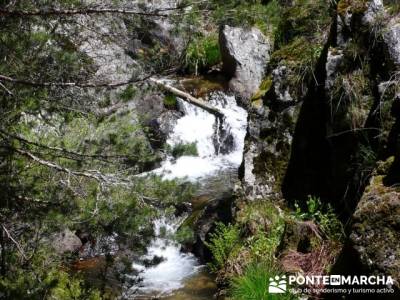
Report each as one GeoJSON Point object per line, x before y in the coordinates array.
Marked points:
{"type": "Point", "coordinates": [375, 233]}
{"type": "Point", "coordinates": [66, 241]}
{"type": "Point", "coordinates": [157, 31]}
{"type": "Point", "coordinates": [203, 221]}
{"type": "Point", "coordinates": [245, 55]}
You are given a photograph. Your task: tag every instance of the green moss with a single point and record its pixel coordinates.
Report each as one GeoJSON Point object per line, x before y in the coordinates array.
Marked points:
{"type": "Point", "coordinates": [300, 57]}
{"type": "Point", "coordinates": [263, 89]}
{"type": "Point", "coordinates": [181, 149]}
{"type": "Point", "coordinates": [352, 6]}
{"type": "Point", "coordinates": [170, 101]}
{"type": "Point", "coordinates": [305, 18]}
{"type": "Point", "coordinates": [128, 93]}
{"type": "Point", "coordinates": [384, 166]}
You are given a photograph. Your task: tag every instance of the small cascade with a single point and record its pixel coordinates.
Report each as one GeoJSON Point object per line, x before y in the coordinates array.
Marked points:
{"type": "Point", "coordinates": [173, 268]}
{"type": "Point", "coordinates": [219, 145]}
{"type": "Point", "coordinates": [220, 148]}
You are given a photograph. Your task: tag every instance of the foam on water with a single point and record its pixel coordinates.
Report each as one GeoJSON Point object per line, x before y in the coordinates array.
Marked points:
{"type": "Point", "coordinates": [169, 275]}
{"type": "Point", "coordinates": [200, 127]}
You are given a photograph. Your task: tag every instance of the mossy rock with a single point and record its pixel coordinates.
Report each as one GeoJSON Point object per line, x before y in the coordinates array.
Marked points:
{"type": "Point", "coordinates": [375, 232]}
{"type": "Point", "coordinates": [352, 6]}
{"type": "Point", "coordinates": [265, 86]}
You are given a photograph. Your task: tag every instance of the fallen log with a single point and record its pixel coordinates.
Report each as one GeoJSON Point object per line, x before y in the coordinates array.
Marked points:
{"type": "Point", "coordinates": [189, 98]}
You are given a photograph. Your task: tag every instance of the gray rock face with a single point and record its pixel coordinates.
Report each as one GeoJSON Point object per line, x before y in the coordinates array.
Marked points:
{"type": "Point", "coordinates": [333, 62]}
{"type": "Point", "coordinates": [245, 55]}
{"type": "Point", "coordinates": [391, 32]}
{"type": "Point", "coordinates": [279, 76]}
{"type": "Point", "coordinates": [167, 121]}
{"type": "Point", "coordinates": [66, 241]}
{"type": "Point", "coordinates": [392, 40]}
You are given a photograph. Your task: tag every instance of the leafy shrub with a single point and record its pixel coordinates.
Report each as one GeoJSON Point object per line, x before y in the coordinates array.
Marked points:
{"type": "Point", "coordinates": [184, 235]}
{"type": "Point", "coordinates": [323, 215]}
{"type": "Point", "coordinates": [267, 228]}
{"type": "Point", "coordinates": [184, 149]}
{"type": "Point", "coordinates": [223, 243]}
{"type": "Point", "coordinates": [202, 53]}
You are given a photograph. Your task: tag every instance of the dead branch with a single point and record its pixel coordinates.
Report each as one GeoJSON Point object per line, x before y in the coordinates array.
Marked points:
{"type": "Point", "coordinates": [72, 84]}
{"type": "Point", "coordinates": [89, 174]}
{"type": "Point", "coordinates": [15, 242]}
{"type": "Point", "coordinates": [189, 98]}
{"type": "Point", "coordinates": [84, 11]}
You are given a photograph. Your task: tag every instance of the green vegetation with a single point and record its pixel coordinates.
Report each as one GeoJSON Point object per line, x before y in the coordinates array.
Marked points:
{"type": "Point", "coordinates": [128, 93]}
{"type": "Point", "coordinates": [170, 101]}
{"type": "Point", "coordinates": [182, 149]}
{"type": "Point", "coordinates": [202, 53]}
{"type": "Point", "coordinates": [248, 13]}
{"type": "Point", "coordinates": [323, 215]}
{"type": "Point", "coordinates": [253, 284]}
{"type": "Point", "coordinates": [244, 253]}
{"type": "Point", "coordinates": [185, 235]}
{"type": "Point", "coordinates": [224, 243]}
{"type": "Point", "coordinates": [352, 6]}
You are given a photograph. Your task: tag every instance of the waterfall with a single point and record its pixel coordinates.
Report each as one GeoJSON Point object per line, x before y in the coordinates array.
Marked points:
{"type": "Point", "coordinates": [200, 127]}
{"type": "Point", "coordinates": [219, 147]}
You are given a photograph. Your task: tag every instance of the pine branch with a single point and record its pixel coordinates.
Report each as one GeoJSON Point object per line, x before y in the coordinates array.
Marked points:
{"type": "Point", "coordinates": [15, 242]}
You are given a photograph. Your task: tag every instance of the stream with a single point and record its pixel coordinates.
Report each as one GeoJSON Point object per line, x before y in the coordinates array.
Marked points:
{"type": "Point", "coordinates": [180, 275]}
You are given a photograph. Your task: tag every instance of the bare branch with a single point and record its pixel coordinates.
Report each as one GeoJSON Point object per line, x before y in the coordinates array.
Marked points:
{"type": "Point", "coordinates": [72, 84]}
{"type": "Point", "coordinates": [189, 98]}
{"type": "Point", "coordinates": [83, 11]}
{"type": "Point", "coordinates": [6, 89]}
{"type": "Point", "coordinates": [15, 242]}
{"type": "Point", "coordinates": [59, 149]}
{"type": "Point", "coordinates": [89, 174]}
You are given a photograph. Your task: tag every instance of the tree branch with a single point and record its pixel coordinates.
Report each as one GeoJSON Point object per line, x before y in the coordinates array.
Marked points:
{"type": "Point", "coordinates": [15, 242]}
{"type": "Point", "coordinates": [72, 84]}
{"type": "Point", "coordinates": [189, 98]}
{"type": "Point", "coordinates": [98, 177]}
{"type": "Point", "coordinates": [83, 11]}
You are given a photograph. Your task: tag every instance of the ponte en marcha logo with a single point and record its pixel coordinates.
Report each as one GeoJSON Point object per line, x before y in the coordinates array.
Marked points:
{"type": "Point", "coordinates": [318, 284]}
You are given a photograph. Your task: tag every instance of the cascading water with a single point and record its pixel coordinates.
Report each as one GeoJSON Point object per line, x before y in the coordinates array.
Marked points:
{"type": "Point", "coordinates": [200, 127]}
{"type": "Point", "coordinates": [219, 147]}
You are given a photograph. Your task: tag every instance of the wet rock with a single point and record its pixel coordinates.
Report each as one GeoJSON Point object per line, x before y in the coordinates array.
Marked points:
{"type": "Point", "coordinates": [66, 241]}
{"type": "Point", "coordinates": [167, 121]}
{"type": "Point", "coordinates": [218, 210]}
{"type": "Point", "coordinates": [155, 260]}
{"type": "Point", "coordinates": [245, 55]}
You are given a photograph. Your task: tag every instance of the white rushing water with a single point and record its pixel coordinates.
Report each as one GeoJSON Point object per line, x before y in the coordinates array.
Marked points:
{"type": "Point", "coordinates": [200, 127]}
{"type": "Point", "coordinates": [175, 267]}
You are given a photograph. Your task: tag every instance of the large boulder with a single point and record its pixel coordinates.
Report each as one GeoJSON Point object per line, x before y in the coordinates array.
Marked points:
{"type": "Point", "coordinates": [66, 241]}
{"type": "Point", "coordinates": [245, 55]}
{"type": "Point", "coordinates": [375, 232]}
